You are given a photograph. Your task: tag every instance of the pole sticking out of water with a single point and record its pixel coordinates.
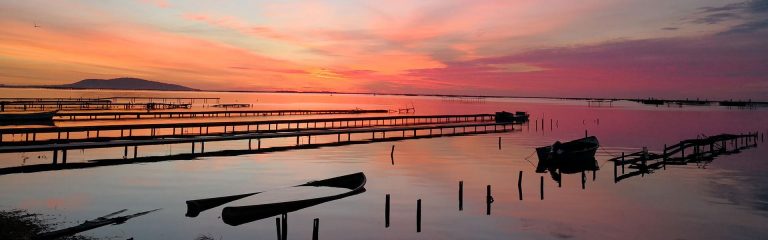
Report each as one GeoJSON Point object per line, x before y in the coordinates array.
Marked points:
{"type": "Point", "coordinates": [488, 200]}
{"type": "Point", "coordinates": [279, 231]}
{"type": "Point", "coordinates": [499, 143]}
{"type": "Point", "coordinates": [418, 215]}
{"type": "Point", "coordinates": [461, 195]}
{"type": "Point", "coordinates": [285, 226]}
{"type": "Point", "coordinates": [520, 185]}
{"type": "Point", "coordinates": [386, 212]}
{"type": "Point", "coordinates": [542, 187]}
{"type": "Point", "coordinates": [315, 228]}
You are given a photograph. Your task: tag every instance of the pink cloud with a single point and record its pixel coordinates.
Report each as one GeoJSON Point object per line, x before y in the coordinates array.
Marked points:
{"type": "Point", "coordinates": [672, 67]}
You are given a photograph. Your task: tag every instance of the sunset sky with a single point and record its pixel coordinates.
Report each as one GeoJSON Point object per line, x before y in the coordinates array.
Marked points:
{"type": "Point", "coordinates": [588, 48]}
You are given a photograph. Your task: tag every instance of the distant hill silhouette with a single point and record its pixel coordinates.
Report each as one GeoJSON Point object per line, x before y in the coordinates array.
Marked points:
{"type": "Point", "coordinates": [125, 84]}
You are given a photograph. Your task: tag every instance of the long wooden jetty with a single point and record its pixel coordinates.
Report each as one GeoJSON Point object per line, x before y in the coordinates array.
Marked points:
{"type": "Point", "coordinates": [699, 150]}
{"type": "Point", "coordinates": [116, 115]}
{"type": "Point", "coordinates": [85, 105]}
{"type": "Point", "coordinates": [110, 103]}
{"type": "Point", "coordinates": [158, 130]}
{"type": "Point", "coordinates": [344, 136]}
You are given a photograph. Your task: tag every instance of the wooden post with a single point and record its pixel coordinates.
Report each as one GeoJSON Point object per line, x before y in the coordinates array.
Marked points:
{"type": "Point", "coordinates": [125, 152]}
{"type": "Point", "coordinates": [315, 228]}
{"type": "Point", "coordinates": [622, 163]}
{"type": "Point", "coordinates": [461, 195]}
{"type": "Point", "coordinates": [542, 187]}
{"type": "Point", "coordinates": [583, 180]}
{"type": "Point", "coordinates": [418, 215]}
{"type": "Point", "coordinates": [386, 212]}
{"type": "Point", "coordinates": [64, 156]}
{"type": "Point", "coordinates": [279, 231]}
{"type": "Point", "coordinates": [615, 172]}
{"type": "Point", "coordinates": [285, 226]}
{"type": "Point", "coordinates": [135, 151]}
{"type": "Point", "coordinates": [520, 185]}
{"type": "Point", "coordinates": [202, 147]}
{"type": "Point", "coordinates": [488, 200]}
{"type": "Point", "coordinates": [55, 156]}
{"type": "Point", "coordinates": [499, 143]}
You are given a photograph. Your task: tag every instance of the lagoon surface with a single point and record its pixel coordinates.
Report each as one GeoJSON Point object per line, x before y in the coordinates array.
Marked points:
{"type": "Point", "coordinates": [723, 199]}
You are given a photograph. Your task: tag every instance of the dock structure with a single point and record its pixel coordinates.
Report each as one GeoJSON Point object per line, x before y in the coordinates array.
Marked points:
{"type": "Point", "coordinates": [174, 130]}
{"type": "Point", "coordinates": [117, 115]}
{"type": "Point", "coordinates": [197, 143]}
{"type": "Point", "coordinates": [85, 105]}
{"type": "Point", "coordinates": [698, 151]}
{"type": "Point", "coordinates": [178, 100]}
{"type": "Point", "coordinates": [111, 103]}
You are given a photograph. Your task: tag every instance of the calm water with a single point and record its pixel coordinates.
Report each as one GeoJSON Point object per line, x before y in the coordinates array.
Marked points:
{"type": "Point", "coordinates": [725, 199]}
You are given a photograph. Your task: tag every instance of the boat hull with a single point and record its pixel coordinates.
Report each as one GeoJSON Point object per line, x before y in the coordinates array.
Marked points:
{"type": "Point", "coordinates": [570, 153]}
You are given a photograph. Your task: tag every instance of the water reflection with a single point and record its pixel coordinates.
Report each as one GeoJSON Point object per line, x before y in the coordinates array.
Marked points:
{"type": "Point", "coordinates": [567, 166]}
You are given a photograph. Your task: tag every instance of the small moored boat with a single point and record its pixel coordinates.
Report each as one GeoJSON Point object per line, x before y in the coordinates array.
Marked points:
{"type": "Point", "coordinates": [576, 150]}
{"type": "Point", "coordinates": [508, 117]}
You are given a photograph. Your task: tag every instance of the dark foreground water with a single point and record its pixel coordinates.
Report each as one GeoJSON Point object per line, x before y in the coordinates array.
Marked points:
{"type": "Point", "coordinates": [724, 199]}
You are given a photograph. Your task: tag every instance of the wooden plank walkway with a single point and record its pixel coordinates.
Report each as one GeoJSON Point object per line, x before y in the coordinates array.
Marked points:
{"type": "Point", "coordinates": [197, 144]}
{"type": "Point", "coordinates": [705, 149]}
{"type": "Point", "coordinates": [117, 115]}
{"type": "Point", "coordinates": [65, 134]}
{"type": "Point", "coordinates": [249, 149]}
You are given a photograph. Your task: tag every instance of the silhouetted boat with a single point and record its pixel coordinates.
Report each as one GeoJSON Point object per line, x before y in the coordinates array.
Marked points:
{"type": "Point", "coordinates": [244, 214]}
{"type": "Point", "coordinates": [21, 117]}
{"type": "Point", "coordinates": [577, 150]}
{"type": "Point", "coordinates": [507, 117]}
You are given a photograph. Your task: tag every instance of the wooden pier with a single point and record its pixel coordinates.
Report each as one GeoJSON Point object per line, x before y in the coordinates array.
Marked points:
{"type": "Point", "coordinates": [699, 150]}
{"type": "Point", "coordinates": [85, 105]}
{"type": "Point", "coordinates": [197, 143]}
{"type": "Point", "coordinates": [67, 134]}
{"type": "Point", "coordinates": [117, 115]}
{"type": "Point", "coordinates": [111, 103]}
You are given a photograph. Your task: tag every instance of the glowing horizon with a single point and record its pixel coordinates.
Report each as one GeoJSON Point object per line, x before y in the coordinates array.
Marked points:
{"type": "Point", "coordinates": [630, 48]}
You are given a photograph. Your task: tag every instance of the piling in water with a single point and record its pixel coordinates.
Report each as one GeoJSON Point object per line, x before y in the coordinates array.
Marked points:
{"type": "Point", "coordinates": [542, 187]}
{"type": "Point", "coordinates": [488, 200]}
{"type": "Point", "coordinates": [315, 228]}
{"type": "Point", "coordinates": [461, 195]}
{"type": "Point", "coordinates": [285, 226]}
{"type": "Point", "coordinates": [279, 232]}
{"type": "Point", "coordinates": [520, 185]}
{"type": "Point", "coordinates": [386, 212]}
{"type": "Point", "coordinates": [418, 215]}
